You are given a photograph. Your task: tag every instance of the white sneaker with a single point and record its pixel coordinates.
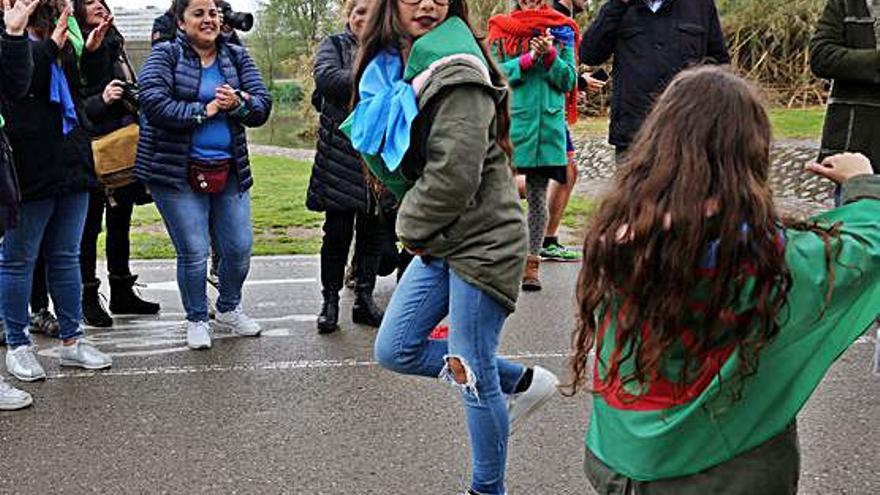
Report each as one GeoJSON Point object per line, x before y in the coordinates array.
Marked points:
{"type": "Point", "coordinates": [84, 355]}
{"type": "Point", "coordinates": [520, 406]}
{"type": "Point", "coordinates": [22, 363]}
{"type": "Point", "coordinates": [198, 335]}
{"type": "Point", "coordinates": [12, 398]}
{"type": "Point", "coordinates": [238, 322]}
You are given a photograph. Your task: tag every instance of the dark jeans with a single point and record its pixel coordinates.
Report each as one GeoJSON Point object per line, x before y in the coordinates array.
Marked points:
{"type": "Point", "coordinates": [55, 224]}
{"type": "Point", "coordinates": [190, 217]}
{"type": "Point", "coordinates": [118, 248]}
{"type": "Point", "coordinates": [772, 468]}
{"type": "Point", "coordinates": [339, 229]}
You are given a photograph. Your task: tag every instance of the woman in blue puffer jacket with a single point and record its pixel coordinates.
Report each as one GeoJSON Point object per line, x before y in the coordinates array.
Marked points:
{"type": "Point", "coordinates": [198, 94]}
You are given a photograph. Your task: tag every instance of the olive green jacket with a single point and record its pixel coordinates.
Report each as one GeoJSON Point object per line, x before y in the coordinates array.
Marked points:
{"type": "Point", "coordinates": [463, 206]}
{"type": "Point", "coordinates": [846, 50]}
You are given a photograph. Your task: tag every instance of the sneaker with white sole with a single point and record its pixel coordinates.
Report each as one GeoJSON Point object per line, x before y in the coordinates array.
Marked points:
{"type": "Point", "coordinates": [522, 405]}
{"type": "Point", "coordinates": [22, 363]}
{"type": "Point", "coordinates": [12, 398]}
{"type": "Point", "coordinates": [198, 335]}
{"type": "Point", "coordinates": [84, 355]}
{"type": "Point", "coordinates": [238, 322]}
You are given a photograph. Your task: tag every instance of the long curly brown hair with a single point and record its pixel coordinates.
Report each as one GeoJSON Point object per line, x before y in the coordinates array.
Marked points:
{"type": "Point", "coordinates": [697, 173]}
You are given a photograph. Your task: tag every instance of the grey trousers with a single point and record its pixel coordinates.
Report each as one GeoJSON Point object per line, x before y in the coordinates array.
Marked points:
{"type": "Point", "coordinates": [772, 468]}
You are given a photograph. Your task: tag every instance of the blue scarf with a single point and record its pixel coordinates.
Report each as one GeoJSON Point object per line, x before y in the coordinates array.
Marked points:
{"type": "Point", "coordinates": [59, 92]}
{"type": "Point", "coordinates": [383, 117]}
{"type": "Point", "coordinates": [564, 35]}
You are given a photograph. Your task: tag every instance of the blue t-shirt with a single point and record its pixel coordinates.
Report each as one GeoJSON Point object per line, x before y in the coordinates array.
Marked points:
{"type": "Point", "coordinates": [212, 140]}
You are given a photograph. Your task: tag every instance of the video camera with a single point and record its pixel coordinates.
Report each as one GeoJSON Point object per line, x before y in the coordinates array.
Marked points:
{"type": "Point", "coordinates": [241, 21]}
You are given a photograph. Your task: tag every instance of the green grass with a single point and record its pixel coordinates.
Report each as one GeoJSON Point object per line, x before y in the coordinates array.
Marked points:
{"type": "Point", "coordinates": [797, 123]}
{"type": "Point", "coordinates": [286, 127]}
{"type": "Point", "coordinates": [282, 225]}
{"type": "Point", "coordinates": [788, 123]}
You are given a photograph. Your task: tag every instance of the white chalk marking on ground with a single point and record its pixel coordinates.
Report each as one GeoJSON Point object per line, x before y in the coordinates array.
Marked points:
{"type": "Point", "coordinates": [171, 285]}
{"type": "Point", "coordinates": [270, 366]}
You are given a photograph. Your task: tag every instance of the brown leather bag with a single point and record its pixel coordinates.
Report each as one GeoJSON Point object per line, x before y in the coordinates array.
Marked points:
{"type": "Point", "coordinates": [208, 177]}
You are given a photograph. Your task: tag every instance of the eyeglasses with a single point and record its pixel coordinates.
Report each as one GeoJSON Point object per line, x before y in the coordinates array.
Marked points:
{"type": "Point", "coordinates": [441, 3]}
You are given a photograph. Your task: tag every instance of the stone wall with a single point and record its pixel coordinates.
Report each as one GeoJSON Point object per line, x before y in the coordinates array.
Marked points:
{"type": "Point", "coordinates": [797, 192]}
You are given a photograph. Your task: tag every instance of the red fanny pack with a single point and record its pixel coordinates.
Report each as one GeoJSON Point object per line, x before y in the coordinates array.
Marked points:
{"type": "Point", "coordinates": [208, 177]}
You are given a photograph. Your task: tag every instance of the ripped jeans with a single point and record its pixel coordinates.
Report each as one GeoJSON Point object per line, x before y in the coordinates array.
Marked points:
{"type": "Point", "coordinates": [425, 295]}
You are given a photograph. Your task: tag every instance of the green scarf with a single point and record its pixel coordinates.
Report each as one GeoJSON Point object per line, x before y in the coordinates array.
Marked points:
{"type": "Point", "coordinates": [452, 37]}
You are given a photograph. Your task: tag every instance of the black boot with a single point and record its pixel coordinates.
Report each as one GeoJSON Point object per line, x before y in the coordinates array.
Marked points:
{"type": "Point", "coordinates": [328, 320]}
{"type": "Point", "coordinates": [94, 314]}
{"type": "Point", "coordinates": [365, 311]}
{"type": "Point", "coordinates": [123, 299]}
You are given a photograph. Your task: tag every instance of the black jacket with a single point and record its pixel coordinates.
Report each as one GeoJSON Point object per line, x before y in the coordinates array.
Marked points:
{"type": "Point", "coordinates": [48, 162]}
{"type": "Point", "coordinates": [16, 68]}
{"type": "Point", "coordinates": [337, 182]}
{"type": "Point", "coordinates": [649, 49]}
{"type": "Point", "coordinates": [164, 28]}
{"type": "Point", "coordinates": [98, 69]}
{"type": "Point", "coordinates": [845, 49]}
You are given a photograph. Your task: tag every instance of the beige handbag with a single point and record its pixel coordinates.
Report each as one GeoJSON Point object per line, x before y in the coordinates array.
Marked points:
{"type": "Point", "coordinates": [115, 154]}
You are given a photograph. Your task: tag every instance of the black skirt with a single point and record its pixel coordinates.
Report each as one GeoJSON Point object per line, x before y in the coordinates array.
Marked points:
{"type": "Point", "coordinates": [555, 173]}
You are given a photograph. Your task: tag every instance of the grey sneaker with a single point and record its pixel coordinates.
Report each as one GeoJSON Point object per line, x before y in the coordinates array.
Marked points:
{"type": "Point", "coordinates": [238, 322]}
{"type": "Point", "coordinates": [12, 398]}
{"type": "Point", "coordinates": [198, 335]}
{"type": "Point", "coordinates": [522, 405]}
{"type": "Point", "coordinates": [84, 355]}
{"type": "Point", "coordinates": [22, 363]}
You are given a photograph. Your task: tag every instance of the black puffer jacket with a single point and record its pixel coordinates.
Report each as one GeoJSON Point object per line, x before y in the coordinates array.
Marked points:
{"type": "Point", "coordinates": [337, 182]}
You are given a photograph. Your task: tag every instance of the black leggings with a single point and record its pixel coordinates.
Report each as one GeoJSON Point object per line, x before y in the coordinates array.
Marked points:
{"type": "Point", "coordinates": [339, 229]}
{"type": "Point", "coordinates": [118, 246]}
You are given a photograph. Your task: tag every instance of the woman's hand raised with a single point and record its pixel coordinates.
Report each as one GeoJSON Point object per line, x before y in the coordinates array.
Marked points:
{"type": "Point", "coordinates": [59, 35]}
{"type": "Point", "coordinates": [15, 18]}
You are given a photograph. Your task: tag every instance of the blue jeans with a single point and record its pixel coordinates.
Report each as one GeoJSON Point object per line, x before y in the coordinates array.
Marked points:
{"type": "Point", "coordinates": [190, 217]}
{"type": "Point", "coordinates": [56, 224]}
{"type": "Point", "coordinates": [426, 294]}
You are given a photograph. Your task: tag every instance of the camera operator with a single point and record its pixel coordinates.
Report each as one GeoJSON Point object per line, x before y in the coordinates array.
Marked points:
{"type": "Point", "coordinates": [165, 26]}
{"type": "Point", "coordinates": [111, 109]}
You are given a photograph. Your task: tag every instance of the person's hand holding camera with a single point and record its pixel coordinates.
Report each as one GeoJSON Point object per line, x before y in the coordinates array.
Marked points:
{"type": "Point", "coordinates": [15, 18]}
{"type": "Point", "coordinates": [113, 92]}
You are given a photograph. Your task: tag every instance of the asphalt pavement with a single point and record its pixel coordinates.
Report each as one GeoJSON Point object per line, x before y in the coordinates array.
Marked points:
{"type": "Point", "coordinates": [295, 412]}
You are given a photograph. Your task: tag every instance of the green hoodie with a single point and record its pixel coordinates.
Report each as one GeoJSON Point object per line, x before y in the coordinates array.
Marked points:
{"type": "Point", "coordinates": [649, 439]}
